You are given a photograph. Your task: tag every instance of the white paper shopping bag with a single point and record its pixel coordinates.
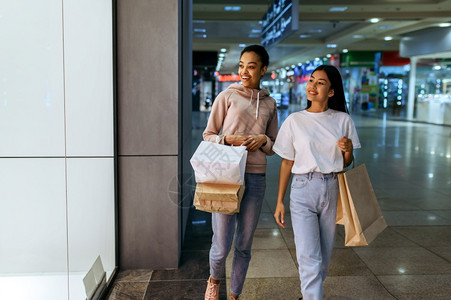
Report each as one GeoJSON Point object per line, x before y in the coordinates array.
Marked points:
{"type": "Point", "coordinates": [217, 163]}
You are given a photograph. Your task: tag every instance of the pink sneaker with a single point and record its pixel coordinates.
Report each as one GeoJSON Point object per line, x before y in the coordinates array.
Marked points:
{"type": "Point", "coordinates": [212, 292]}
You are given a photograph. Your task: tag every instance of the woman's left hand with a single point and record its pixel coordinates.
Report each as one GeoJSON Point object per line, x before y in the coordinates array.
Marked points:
{"type": "Point", "coordinates": [345, 144]}
{"type": "Point", "coordinates": [254, 142]}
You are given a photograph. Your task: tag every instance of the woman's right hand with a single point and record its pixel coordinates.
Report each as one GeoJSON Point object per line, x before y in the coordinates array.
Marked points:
{"type": "Point", "coordinates": [279, 215]}
{"type": "Point", "coordinates": [235, 139]}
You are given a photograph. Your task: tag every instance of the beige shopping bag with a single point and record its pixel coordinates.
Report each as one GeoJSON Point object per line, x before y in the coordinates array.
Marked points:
{"type": "Point", "coordinates": [357, 208]}
{"type": "Point", "coordinates": [218, 198]}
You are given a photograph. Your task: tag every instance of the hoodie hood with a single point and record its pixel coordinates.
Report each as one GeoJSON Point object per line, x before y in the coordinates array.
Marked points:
{"type": "Point", "coordinates": [251, 94]}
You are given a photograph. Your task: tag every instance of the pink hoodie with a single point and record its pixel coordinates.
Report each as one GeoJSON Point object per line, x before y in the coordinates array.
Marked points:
{"type": "Point", "coordinates": [242, 110]}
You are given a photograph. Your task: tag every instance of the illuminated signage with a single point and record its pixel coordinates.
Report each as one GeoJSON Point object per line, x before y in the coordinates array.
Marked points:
{"type": "Point", "coordinates": [280, 21]}
{"type": "Point", "coordinates": [223, 78]}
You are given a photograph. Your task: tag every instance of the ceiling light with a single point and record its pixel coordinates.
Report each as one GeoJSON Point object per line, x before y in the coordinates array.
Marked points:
{"type": "Point", "coordinates": [357, 36]}
{"type": "Point", "coordinates": [304, 36]}
{"type": "Point", "coordinates": [221, 54]}
{"type": "Point", "coordinates": [329, 55]}
{"type": "Point", "coordinates": [385, 26]}
{"type": "Point", "coordinates": [232, 8]}
{"type": "Point", "coordinates": [242, 45]}
{"type": "Point", "coordinates": [315, 31]}
{"type": "Point", "coordinates": [256, 31]}
{"type": "Point", "coordinates": [223, 50]}
{"type": "Point", "coordinates": [345, 50]}
{"type": "Point", "coordinates": [444, 24]}
{"type": "Point", "coordinates": [338, 8]}
{"type": "Point", "coordinates": [200, 30]}
{"type": "Point", "coordinates": [331, 45]}
{"type": "Point", "coordinates": [388, 38]}
{"type": "Point", "coordinates": [375, 20]}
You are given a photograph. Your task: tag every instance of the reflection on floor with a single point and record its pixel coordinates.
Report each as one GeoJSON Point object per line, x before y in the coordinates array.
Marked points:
{"type": "Point", "coordinates": [410, 168]}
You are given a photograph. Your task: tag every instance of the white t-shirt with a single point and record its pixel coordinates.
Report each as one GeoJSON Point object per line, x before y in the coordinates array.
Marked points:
{"type": "Point", "coordinates": [310, 140]}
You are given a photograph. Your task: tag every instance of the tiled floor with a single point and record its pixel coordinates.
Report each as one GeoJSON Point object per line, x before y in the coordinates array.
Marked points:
{"type": "Point", "coordinates": [410, 168]}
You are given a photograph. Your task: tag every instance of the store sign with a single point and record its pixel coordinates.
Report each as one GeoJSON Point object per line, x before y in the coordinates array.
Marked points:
{"type": "Point", "coordinates": [225, 78]}
{"type": "Point", "coordinates": [280, 21]}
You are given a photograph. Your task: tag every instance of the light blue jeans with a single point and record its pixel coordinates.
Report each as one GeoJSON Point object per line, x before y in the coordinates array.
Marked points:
{"type": "Point", "coordinates": [313, 206]}
{"type": "Point", "coordinates": [224, 232]}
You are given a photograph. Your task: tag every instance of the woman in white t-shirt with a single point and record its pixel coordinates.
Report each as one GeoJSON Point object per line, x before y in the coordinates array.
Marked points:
{"type": "Point", "coordinates": [315, 144]}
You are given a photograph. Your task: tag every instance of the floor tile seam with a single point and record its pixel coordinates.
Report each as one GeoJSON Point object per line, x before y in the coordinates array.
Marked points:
{"type": "Point", "coordinates": [422, 246]}
{"type": "Point", "coordinates": [369, 269]}
{"type": "Point", "coordinates": [180, 280]}
{"type": "Point", "coordinates": [409, 247]}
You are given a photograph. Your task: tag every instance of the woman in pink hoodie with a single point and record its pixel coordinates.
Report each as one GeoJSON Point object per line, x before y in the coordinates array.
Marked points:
{"type": "Point", "coordinates": [246, 115]}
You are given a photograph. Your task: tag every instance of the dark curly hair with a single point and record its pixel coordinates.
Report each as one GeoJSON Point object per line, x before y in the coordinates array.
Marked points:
{"type": "Point", "coordinates": [260, 51]}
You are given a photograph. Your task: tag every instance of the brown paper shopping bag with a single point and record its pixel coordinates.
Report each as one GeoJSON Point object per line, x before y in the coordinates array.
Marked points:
{"type": "Point", "coordinates": [357, 208]}
{"type": "Point", "coordinates": [218, 198]}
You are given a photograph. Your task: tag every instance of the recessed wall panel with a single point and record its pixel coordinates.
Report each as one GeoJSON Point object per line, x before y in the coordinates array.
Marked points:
{"type": "Point", "coordinates": [89, 77]}
{"type": "Point", "coordinates": [32, 215]}
{"type": "Point", "coordinates": [149, 221]}
{"type": "Point", "coordinates": [31, 79]}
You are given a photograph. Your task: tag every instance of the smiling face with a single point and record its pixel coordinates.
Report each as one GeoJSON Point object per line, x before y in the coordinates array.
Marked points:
{"type": "Point", "coordinates": [251, 70]}
{"type": "Point", "coordinates": [319, 88]}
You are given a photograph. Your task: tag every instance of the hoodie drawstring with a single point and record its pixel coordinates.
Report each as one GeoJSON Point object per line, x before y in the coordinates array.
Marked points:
{"type": "Point", "coordinates": [258, 102]}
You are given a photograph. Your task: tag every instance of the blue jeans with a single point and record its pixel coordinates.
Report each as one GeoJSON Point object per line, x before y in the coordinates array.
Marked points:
{"type": "Point", "coordinates": [224, 231]}
{"type": "Point", "coordinates": [313, 206]}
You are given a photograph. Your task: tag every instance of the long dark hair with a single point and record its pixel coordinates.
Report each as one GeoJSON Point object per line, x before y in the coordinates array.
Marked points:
{"type": "Point", "coordinates": [337, 101]}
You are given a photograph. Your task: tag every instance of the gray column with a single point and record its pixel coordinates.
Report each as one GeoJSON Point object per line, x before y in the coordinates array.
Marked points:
{"type": "Point", "coordinates": [151, 130]}
{"type": "Point", "coordinates": [411, 95]}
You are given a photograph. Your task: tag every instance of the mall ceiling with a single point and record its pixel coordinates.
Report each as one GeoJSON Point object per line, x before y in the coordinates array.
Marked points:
{"type": "Point", "coordinates": [320, 28]}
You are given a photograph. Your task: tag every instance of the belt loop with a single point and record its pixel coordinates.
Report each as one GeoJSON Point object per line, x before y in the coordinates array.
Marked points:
{"type": "Point", "coordinates": [310, 174]}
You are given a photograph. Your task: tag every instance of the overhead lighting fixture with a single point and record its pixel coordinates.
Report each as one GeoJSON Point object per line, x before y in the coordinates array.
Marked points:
{"type": "Point", "coordinates": [242, 45]}
{"type": "Point", "coordinates": [315, 31]}
{"type": "Point", "coordinates": [304, 36]}
{"type": "Point", "coordinates": [375, 20]}
{"type": "Point", "coordinates": [232, 8]}
{"type": "Point", "coordinates": [388, 38]}
{"type": "Point", "coordinates": [338, 8]}
{"type": "Point", "coordinates": [357, 36]}
{"type": "Point", "coordinates": [331, 45]}
{"type": "Point", "coordinates": [329, 55]}
{"type": "Point", "coordinates": [256, 30]}
{"type": "Point", "coordinates": [221, 54]}
{"type": "Point", "coordinates": [345, 50]}
{"type": "Point", "coordinates": [444, 24]}
{"type": "Point", "coordinates": [223, 50]}
{"type": "Point", "coordinates": [385, 26]}
{"type": "Point", "coordinates": [200, 30]}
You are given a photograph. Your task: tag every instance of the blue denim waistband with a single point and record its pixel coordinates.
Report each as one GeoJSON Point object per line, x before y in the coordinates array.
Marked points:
{"type": "Point", "coordinates": [318, 175]}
